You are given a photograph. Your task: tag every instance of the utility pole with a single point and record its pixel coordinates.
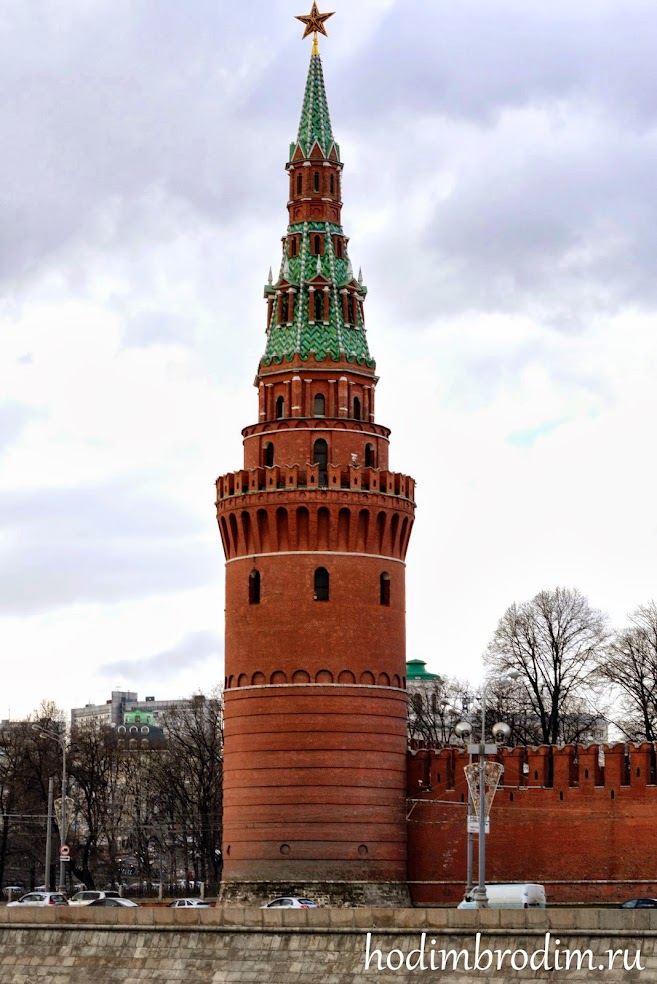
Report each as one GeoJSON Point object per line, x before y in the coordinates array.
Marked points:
{"type": "Point", "coordinates": [51, 792]}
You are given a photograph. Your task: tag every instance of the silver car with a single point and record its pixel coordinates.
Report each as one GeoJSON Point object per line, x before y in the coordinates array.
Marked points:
{"type": "Point", "coordinates": [117, 903]}
{"type": "Point", "coordinates": [290, 902]}
{"type": "Point", "coordinates": [91, 895]}
{"type": "Point", "coordinates": [189, 904]}
{"type": "Point", "coordinates": [40, 898]}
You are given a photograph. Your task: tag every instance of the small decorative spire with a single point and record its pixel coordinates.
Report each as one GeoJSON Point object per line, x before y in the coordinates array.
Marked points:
{"type": "Point", "coordinates": [314, 22]}
{"type": "Point", "coordinates": [360, 276]}
{"type": "Point", "coordinates": [270, 279]}
{"type": "Point", "coordinates": [286, 269]}
{"type": "Point", "coordinates": [350, 270]}
{"type": "Point", "coordinates": [319, 265]}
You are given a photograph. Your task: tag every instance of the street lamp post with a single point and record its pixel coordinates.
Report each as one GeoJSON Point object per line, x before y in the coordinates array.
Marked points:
{"type": "Point", "coordinates": [61, 741]}
{"type": "Point", "coordinates": [479, 894]}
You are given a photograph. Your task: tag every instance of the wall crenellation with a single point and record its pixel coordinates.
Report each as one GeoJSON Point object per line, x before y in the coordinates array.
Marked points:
{"type": "Point", "coordinates": [573, 767]}
{"type": "Point", "coordinates": [352, 477]}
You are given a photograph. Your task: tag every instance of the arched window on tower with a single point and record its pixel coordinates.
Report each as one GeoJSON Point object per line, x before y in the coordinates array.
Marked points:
{"type": "Point", "coordinates": [370, 460]}
{"type": "Point", "coordinates": [316, 180]}
{"type": "Point", "coordinates": [299, 183]}
{"type": "Point", "coordinates": [285, 308]}
{"type": "Point", "coordinates": [319, 305]}
{"type": "Point", "coordinates": [320, 457]}
{"type": "Point", "coordinates": [293, 246]}
{"type": "Point", "coordinates": [321, 585]}
{"type": "Point", "coordinates": [319, 405]}
{"type": "Point", "coordinates": [332, 185]}
{"type": "Point", "coordinates": [269, 455]}
{"type": "Point", "coordinates": [280, 408]}
{"type": "Point", "coordinates": [384, 583]}
{"type": "Point", "coordinates": [254, 587]}
{"type": "Point", "coordinates": [356, 408]}
{"type": "Point", "coordinates": [317, 245]}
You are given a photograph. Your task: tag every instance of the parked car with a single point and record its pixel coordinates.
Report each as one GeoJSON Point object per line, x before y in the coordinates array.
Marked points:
{"type": "Point", "coordinates": [14, 890]}
{"type": "Point", "coordinates": [116, 902]}
{"type": "Point", "coordinates": [41, 898]}
{"type": "Point", "coordinates": [639, 904]}
{"type": "Point", "coordinates": [290, 902]}
{"type": "Point", "coordinates": [189, 904]}
{"type": "Point", "coordinates": [91, 895]}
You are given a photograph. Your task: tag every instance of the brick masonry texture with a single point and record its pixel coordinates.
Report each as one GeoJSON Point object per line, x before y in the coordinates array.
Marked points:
{"type": "Point", "coordinates": [580, 822]}
{"type": "Point", "coordinates": [323, 946]}
{"type": "Point", "coordinates": [314, 787]}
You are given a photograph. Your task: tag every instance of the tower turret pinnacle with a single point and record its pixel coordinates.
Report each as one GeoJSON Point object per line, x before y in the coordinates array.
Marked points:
{"type": "Point", "coordinates": [315, 122]}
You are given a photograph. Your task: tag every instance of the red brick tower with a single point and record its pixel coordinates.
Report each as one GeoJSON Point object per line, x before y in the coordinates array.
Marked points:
{"type": "Point", "coordinates": [315, 529]}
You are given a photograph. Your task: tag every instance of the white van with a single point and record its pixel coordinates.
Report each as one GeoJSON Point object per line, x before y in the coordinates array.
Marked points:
{"type": "Point", "coordinates": [510, 897]}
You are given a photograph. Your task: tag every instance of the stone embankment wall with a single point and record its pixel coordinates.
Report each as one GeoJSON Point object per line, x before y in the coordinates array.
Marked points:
{"type": "Point", "coordinates": [322, 946]}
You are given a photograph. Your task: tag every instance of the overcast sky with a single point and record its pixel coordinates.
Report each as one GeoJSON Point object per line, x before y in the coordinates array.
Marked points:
{"type": "Point", "coordinates": [499, 188]}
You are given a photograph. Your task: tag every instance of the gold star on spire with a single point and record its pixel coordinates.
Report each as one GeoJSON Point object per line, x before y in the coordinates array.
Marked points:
{"type": "Point", "coordinates": [314, 22]}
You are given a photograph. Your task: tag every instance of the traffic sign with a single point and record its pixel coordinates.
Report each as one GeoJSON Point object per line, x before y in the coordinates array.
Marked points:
{"type": "Point", "coordinates": [65, 853]}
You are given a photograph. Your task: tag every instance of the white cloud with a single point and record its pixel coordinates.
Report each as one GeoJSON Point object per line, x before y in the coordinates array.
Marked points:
{"type": "Point", "coordinates": [498, 194]}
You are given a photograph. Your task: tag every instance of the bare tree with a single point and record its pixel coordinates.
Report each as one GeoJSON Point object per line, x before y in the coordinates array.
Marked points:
{"type": "Point", "coordinates": [556, 641]}
{"type": "Point", "coordinates": [188, 775]}
{"type": "Point", "coordinates": [97, 787]}
{"type": "Point", "coordinates": [630, 666]}
{"type": "Point", "coordinates": [25, 765]}
{"type": "Point", "coordinates": [432, 709]}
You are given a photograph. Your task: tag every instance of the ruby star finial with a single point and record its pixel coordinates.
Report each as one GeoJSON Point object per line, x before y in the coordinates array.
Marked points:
{"type": "Point", "coordinates": [314, 21]}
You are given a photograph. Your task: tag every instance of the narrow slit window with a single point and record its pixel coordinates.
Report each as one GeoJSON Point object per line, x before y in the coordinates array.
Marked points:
{"type": "Point", "coordinates": [280, 408]}
{"type": "Point", "coordinates": [319, 405]}
{"type": "Point", "coordinates": [316, 180]}
{"type": "Point", "coordinates": [319, 305]}
{"type": "Point", "coordinates": [369, 456]}
{"type": "Point", "coordinates": [269, 455]}
{"type": "Point", "coordinates": [356, 408]}
{"type": "Point", "coordinates": [299, 184]}
{"type": "Point", "coordinates": [317, 245]}
{"type": "Point", "coordinates": [285, 308]}
{"type": "Point", "coordinates": [384, 583]}
{"type": "Point", "coordinates": [320, 457]}
{"type": "Point", "coordinates": [321, 585]}
{"type": "Point", "coordinates": [254, 588]}
{"type": "Point", "coordinates": [332, 184]}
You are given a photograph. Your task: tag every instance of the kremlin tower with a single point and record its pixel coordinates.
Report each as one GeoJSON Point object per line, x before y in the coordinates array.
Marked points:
{"type": "Point", "coordinates": [315, 528]}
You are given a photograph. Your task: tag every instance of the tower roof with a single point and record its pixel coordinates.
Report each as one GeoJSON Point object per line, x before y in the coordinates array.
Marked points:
{"type": "Point", "coordinates": [316, 303]}
{"type": "Point", "coordinates": [416, 669]}
{"type": "Point", "coordinates": [315, 122]}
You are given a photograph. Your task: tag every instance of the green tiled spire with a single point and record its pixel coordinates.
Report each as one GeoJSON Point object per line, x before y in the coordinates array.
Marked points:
{"type": "Point", "coordinates": [303, 274]}
{"type": "Point", "coordinates": [315, 123]}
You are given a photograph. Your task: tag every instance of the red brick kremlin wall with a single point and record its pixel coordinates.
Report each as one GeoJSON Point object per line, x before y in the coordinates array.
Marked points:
{"type": "Point", "coordinates": [580, 822]}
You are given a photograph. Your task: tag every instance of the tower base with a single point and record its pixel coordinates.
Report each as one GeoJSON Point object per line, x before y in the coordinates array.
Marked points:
{"type": "Point", "coordinates": [335, 894]}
